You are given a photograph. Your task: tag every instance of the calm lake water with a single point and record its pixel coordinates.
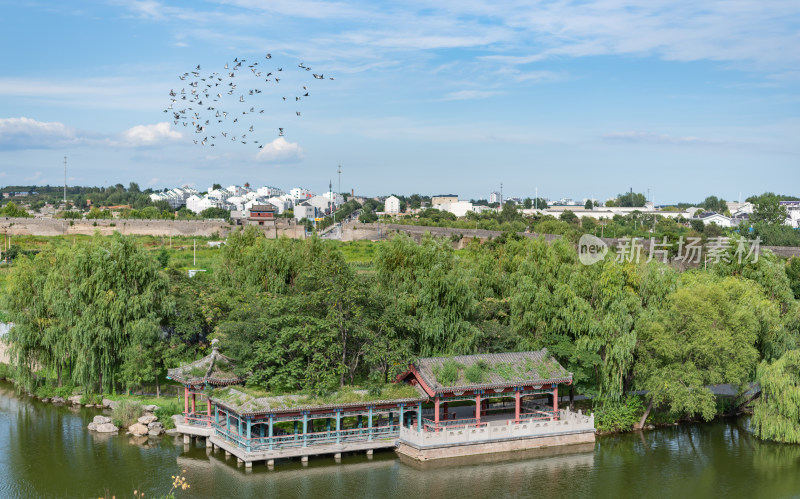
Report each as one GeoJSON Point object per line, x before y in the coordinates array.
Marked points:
{"type": "Point", "coordinates": [46, 451]}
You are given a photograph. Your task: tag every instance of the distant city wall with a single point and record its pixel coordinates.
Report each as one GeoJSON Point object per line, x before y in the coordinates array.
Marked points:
{"type": "Point", "coordinates": [374, 232]}
{"type": "Point", "coordinates": [206, 228]}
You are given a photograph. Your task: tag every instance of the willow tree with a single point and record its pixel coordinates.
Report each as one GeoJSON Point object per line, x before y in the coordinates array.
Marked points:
{"type": "Point", "coordinates": [706, 334]}
{"type": "Point", "coordinates": [84, 307]}
{"type": "Point", "coordinates": [776, 416]}
{"type": "Point", "coordinates": [611, 292]}
{"type": "Point", "coordinates": [428, 282]}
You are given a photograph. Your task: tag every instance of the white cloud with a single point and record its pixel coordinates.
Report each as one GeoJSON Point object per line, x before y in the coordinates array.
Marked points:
{"type": "Point", "coordinates": [470, 94]}
{"type": "Point", "coordinates": [655, 138]}
{"type": "Point", "coordinates": [149, 135]}
{"type": "Point", "coordinates": [27, 133]}
{"type": "Point", "coordinates": [280, 150]}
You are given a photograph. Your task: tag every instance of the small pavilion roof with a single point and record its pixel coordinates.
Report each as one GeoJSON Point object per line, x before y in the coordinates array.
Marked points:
{"type": "Point", "coordinates": [246, 402]}
{"type": "Point", "coordinates": [214, 369]}
{"type": "Point", "coordinates": [495, 370]}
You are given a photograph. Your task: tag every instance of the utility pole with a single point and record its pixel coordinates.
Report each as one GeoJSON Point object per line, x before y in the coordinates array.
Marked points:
{"type": "Point", "coordinates": [65, 182]}
{"type": "Point", "coordinates": [501, 195]}
{"type": "Point", "coordinates": [331, 203]}
{"type": "Point", "coordinates": [339, 171]}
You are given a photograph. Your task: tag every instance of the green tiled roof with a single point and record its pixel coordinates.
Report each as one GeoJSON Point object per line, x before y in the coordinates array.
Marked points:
{"type": "Point", "coordinates": [491, 371]}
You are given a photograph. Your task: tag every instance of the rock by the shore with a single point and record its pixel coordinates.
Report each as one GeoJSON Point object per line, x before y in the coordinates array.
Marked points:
{"type": "Point", "coordinates": [74, 400]}
{"type": "Point", "coordinates": [106, 428]}
{"type": "Point", "coordinates": [147, 419]}
{"type": "Point", "coordinates": [172, 432]}
{"type": "Point", "coordinates": [138, 429]}
{"type": "Point", "coordinates": [98, 420]}
{"type": "Point", "coordinates": [57, 400]}
{"type": "Point", "coordinates": [177, 419]}
{"type": "Point", "coordinates": [110, 404]}
{"type": "Point", "coordinates": [46, 399]}
{"type": "Point", "coordinates": [156, 433]}
{"type": "Point", "coordinates": [150, 408]}
{"type": "Point", "coordinates": [92, 426]}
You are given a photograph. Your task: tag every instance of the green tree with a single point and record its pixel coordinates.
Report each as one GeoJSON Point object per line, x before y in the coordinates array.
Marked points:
{"type": "Point", "coordinates": [776, 415]}
{"type": "Point", "coordinates": [569, 217]}
{"type": "Point", "coordinates": [215, 213]}
{"type": "Point", "coordinates": [705, 334]}
{"type": "Point", "coordinates": [12, 210]}
{"type": "Point", "coordinates": [630, 199]}
{"type": "Point", "coordinates": [588, 205]}
{"type": "Point", "coordinates": [80, 308]}
{"type": "Point", "coordinates": [767, 209]}
{"type": "Point", "coordinates": [527, 203]}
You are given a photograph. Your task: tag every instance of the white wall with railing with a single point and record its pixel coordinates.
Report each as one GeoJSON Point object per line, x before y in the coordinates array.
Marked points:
{"type": "Point", "coordinates": [568, 422]}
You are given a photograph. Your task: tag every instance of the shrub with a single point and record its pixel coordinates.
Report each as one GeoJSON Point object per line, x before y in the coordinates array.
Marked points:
{"type": "Point", "coordinates": [165, 412]}
{"type": "Point", "coordinates": [618, 416]}
{"type": "Point", "coordinates": [447, 373]}
{"type": "Point", "coordinates": [91, 398]}
{"type": "Point", "coordinates": [5, 371]}
{"type": "Point", "coordinates": [476, 372]}
{"type": "Point", "coordinates": [126, 413]}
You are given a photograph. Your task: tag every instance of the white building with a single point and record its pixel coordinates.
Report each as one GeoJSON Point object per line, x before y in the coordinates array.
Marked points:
{"type": "Point", "coordinates": [459, 208]}
{"type": "Point", "coordinates": [175, 197]}
{"type": "Point", "coordinates": [335, 197]}
{"type": "Point", "coordinates": [716, 218]}
{"type": "Point", "coordinates": [494, 197]}
{"type": "Point", "coordinates": [269, 191]}
{"type": "Point", "coordinates": [792, 212]}
{"type": "Point", "coordinates": [321, 203]}
{"type": "Point", "coordinates": [391, 205]}
{"type": "Point", "coordinates": [300, 193]}
{"type": "Point", "coordinates": [281, 204]}
{"type": "Point", "coordinates": [305, 210]}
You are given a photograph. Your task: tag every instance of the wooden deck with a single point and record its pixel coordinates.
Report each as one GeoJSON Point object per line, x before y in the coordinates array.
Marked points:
{"type": "Point", "coordinates": [302, 452]}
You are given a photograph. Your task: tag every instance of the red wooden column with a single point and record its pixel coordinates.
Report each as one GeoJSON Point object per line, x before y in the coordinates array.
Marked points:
{"type": "Point", "coordinates": [478, 407]}
{"type": "Point", "coordinates": [436, 413]}
{"type": "Point", "coordinates": [208, 411]}
{"type": "Point", "coordinates": [555, 402]}
{"type": "Point", "coordinates": [185, 400]}
{"type": "Point", "coordinates": [445, 411]}
{"type": "Point", "coordinates": [516, 406]}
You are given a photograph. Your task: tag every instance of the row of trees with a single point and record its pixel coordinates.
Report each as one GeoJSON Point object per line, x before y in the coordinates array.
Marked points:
{"type": "Point", "coordinates": [101, 315]}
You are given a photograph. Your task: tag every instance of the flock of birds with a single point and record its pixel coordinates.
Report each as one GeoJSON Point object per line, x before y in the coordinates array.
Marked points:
{"type": "Point", "coordinates": [225, 105]}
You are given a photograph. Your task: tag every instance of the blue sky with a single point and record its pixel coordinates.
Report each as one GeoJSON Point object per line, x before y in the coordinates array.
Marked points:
{"type": "Point", "coordinates": [577, 98]}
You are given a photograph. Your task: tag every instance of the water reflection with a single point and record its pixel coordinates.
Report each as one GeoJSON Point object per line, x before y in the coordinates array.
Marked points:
{"type": "Point", "coordinates": [47, 451]}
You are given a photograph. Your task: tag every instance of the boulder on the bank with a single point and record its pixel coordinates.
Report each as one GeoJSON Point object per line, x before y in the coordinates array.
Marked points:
{"type": "Point", "coordinates": [98, 420]}
{"type": "Point", "coordinates": [156, 433]}
{"type": "Point", "coordinates": [92, 426]}
{"type": "Point", "coordinates": [138, 429]}
{"type": "Point", "coordinates": [150, 408]}
{"type": "Point", "coordinates": [177, 419]}
{"type": "Point", "coordinates": [109, 404]}
{"type": "Point", "coordinates": [106, 428]}
{"type": "Point", "coordinates": [57, 400]}
{"type": "Point", "coordinates": [75, 400]}
{"type": "Point", "coordinates": [147, 419]}
{"type": "Point", "coordinates": [172, 432]}
{"type": "Point", "coordinates": [46, 399]}
{"type": "Point", "coordinates": [155, 424]}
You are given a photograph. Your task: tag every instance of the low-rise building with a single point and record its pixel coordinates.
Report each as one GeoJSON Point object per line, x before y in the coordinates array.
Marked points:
{"type": "Point", "coordinates": [443, 199]}
{"type": "Point", "coordinates": [261, 214]}
{"type": "Point", "coordinates": [391, 205]}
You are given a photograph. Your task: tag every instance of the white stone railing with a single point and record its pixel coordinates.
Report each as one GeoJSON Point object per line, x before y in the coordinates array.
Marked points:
{"type": "Point", "coordinates": [568, 422]}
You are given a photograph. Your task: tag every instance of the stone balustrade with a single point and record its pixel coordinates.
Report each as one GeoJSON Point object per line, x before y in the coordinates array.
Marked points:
{"type": "Point", "coordinates": [568, 422]}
